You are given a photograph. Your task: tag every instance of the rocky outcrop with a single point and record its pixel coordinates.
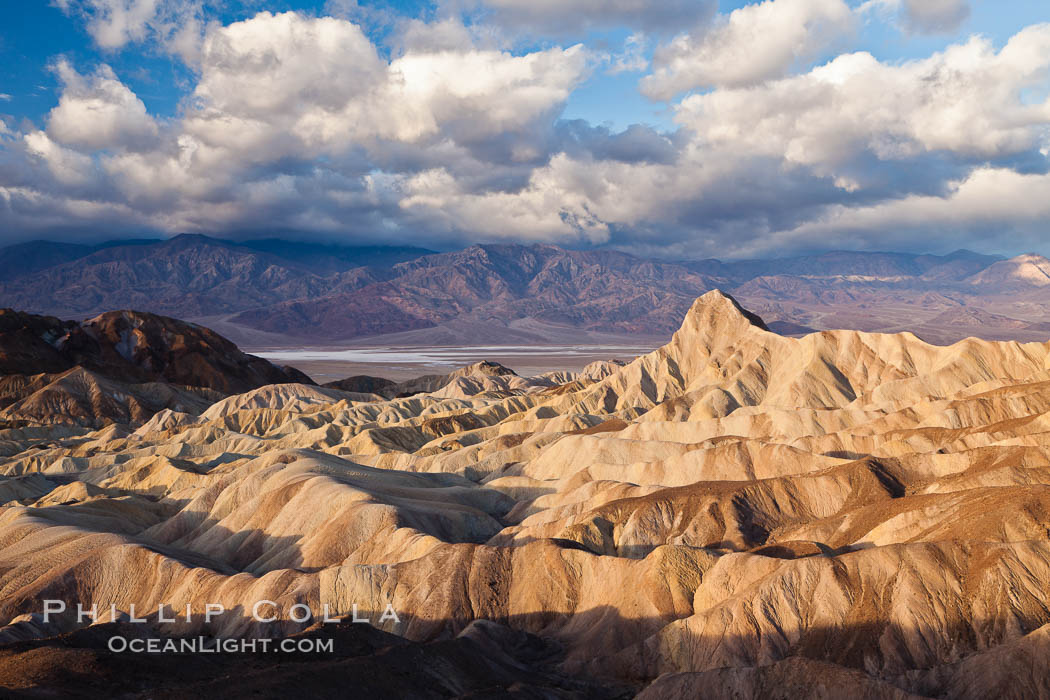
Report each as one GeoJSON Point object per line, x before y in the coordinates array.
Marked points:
{"type": "Point", "coordinates": [133, 346]}
{"type": "Point", "coordinates": [364, 384]}
{"type": "Point", "coordinates": [470, 380]}
{"type": "Point", "coordinates": [122, 366]}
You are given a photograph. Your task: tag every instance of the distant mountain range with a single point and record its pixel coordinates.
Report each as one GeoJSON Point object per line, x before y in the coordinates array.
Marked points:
{"type": "Point", "coordinates": [274, 292]}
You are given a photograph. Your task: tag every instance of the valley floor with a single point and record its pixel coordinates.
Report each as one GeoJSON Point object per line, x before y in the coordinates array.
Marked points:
{"type": "Point", "coordinates": [405, 362]}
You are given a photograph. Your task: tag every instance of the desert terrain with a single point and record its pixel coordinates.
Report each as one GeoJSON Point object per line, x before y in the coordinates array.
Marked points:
{"type": "Point", "coordinates": [734, 514]}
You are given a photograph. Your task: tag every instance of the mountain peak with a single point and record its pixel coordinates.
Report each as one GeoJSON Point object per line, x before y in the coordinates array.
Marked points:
{"type": "Point", "coordinates": [714, 320]}
{"type": "Point", "coordinates": [724, 306]}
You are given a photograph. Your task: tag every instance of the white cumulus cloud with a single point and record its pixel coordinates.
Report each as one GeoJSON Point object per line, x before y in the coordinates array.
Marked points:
{"type": "Point", "coordinates": [967, 100]}
{"type": "Point", "coordinates": [98, 111]}
{"type": "Point", "coordinates": [175, 24]}
{"type": "Point", "coordinates": [754, 43]}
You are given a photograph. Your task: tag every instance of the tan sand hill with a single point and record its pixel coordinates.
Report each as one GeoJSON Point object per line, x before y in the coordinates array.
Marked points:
{"type": "Point", "coordinates": [736, 514]}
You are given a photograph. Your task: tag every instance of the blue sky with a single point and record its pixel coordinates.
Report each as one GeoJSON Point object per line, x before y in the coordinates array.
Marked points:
{"type": "Point", "coordinates": [595, 97]}
{"type": "Point", "coordinates": [37, 32]}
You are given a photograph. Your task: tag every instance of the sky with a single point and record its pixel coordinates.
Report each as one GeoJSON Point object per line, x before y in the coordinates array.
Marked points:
{"type": "Point", "coordinates": [679, 129]}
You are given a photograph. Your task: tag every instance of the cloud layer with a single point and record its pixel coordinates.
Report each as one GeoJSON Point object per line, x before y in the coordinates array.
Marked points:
{"type": "Point", "coordinates": [302, 123]}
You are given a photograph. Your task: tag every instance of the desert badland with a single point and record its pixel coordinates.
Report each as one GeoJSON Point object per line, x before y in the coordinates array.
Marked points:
{"type": "Point", "coordinates": [737, 514]}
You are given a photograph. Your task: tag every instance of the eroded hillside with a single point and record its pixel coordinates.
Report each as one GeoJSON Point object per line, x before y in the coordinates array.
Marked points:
{"type": "Point", "coordinates": [737, 514]}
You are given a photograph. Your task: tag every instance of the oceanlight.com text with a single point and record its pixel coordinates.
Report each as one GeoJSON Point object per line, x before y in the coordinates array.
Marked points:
{"type": "Point", "coordinates": [206, 645]}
